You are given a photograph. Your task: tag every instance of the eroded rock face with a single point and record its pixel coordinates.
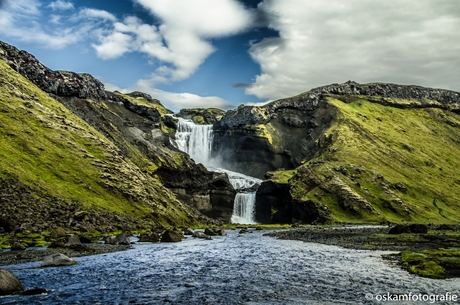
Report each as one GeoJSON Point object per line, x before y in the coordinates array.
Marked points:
{"type": "Point", "coordinates": [204, 116]}
{"type": "Point", "coordinates": [286, 132]}
{"type": "Point", "coordinates": [211, 193]}
{"type": "Point", "coordinates": [255, 140]}
{"type": "Point", "coordinates": [9, 283]}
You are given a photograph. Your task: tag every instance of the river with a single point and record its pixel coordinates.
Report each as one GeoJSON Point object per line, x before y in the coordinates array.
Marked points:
{"type": "Point", "coordinates": [235, 269]}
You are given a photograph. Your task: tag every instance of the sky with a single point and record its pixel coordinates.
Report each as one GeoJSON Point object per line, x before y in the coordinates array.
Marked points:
{"type": "Point", "coordinates": [223, 53]}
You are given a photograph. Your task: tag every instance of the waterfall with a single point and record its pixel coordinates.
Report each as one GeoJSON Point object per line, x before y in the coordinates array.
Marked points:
{"type": "Point", "coordinates": [196, 140]}
{"type": "Point", "coordinates": [244, 208]}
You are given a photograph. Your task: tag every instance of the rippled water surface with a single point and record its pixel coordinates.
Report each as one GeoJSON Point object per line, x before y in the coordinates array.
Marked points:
{"type": "Point", "coordinates": [233, 269]}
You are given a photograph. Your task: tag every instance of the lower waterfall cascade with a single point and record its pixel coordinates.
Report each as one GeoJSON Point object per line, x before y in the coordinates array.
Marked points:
{"type": "Point", "coordinates": [196, 140]}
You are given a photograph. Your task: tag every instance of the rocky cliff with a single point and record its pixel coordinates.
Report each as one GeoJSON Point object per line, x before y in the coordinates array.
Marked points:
{"type": "Point", "coordinates": [131, 130]}
{"type": "Point", "coordinates": [350, 153]}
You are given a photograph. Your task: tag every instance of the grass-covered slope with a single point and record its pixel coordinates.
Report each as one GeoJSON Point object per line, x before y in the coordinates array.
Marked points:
{"type": "Point", "coordinates": [46, 148]}
{"type": "Point", "coordinates": [385, 163]}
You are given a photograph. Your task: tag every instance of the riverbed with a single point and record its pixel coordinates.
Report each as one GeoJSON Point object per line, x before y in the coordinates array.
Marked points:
{"type": "Point", "coordinates": [234, 269]}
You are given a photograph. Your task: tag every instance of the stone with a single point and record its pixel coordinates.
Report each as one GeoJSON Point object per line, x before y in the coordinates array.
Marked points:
{"type": "Point", "coordinates": [221, 232]}
{"type": "Point", "coordinates": [153, 237]}
{"type": "Point", "coordinates": [17, 246]}
{"type": "Point", "coordinates": [210, 232]}
{"type": "Point", "coordinates": [120, 239]}
{"type": "Point", "coordinates": [58, 233]}
{"type": "Point", "coordinates": [56, 260]}
{"type": "Point", "coordinates": [84, 239]}
{"type": "Point", "coordinates": [187, 232]}
{"type": "Point", "coordinates": [243, 231]}
{"type": "Point", "coordinates": [399, 229]}
{"type": "Point", "coordinates": [72, 241]}
{"type": "Point", "coordinates": [199, 234]}
{"type": "Point", "coordinates": [171, 236]}
{"type": "Point", "coordinates": [9, 283]}
{"type": "Point", "coordinates": [418, 228]}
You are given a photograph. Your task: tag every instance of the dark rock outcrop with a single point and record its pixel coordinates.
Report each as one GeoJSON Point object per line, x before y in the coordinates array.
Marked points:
{"type": "Point", "coordinates": [63, 83]}
{"type": "Point", "coordinates": [9, 283]}
{"type": "Point", "coordinates": [171, 236]}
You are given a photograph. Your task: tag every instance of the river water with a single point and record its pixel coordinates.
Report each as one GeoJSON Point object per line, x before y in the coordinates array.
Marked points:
{"type": "Point", "coordinates": [235, 269]}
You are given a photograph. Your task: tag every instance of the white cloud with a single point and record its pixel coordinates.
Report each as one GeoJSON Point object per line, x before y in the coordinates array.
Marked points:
{"type": "Point", "coordinates": [113, 45]}
{"type": "Point", "coordinates": [95, 13]}
{"type": "Point", "coordinates": [322, 42]}
{"type": "Point", "coordinates": [23, 20]}
{"type": "Point", "coordinates": [172, 100]}
{"type": "Point", "coordinates": [180, 42]}
{"type": "Point", "coordinates": [61, 5]}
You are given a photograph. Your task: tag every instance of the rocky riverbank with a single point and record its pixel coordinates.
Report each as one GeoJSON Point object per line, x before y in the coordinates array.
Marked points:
{"type": "Point", "coordinates": [428, 251]}
{"type": "Point", "coordinates": [375, 237]}
{"type": "Point", "coordinates": [19, 257]}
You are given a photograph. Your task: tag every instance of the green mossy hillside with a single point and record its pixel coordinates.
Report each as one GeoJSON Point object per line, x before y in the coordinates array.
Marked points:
{"type": "Point", "coordinates": [383, 163]}
{"type": "Point", "coordinates": [48, 148]}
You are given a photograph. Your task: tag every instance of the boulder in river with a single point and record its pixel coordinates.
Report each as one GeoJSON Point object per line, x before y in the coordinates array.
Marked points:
{"type": "Point", "coordinates": [210, 232]}
{"type": "Point", "coordinates": [9, 283]}
{"type": "Point", "coordinates": [57, 259]}
{"type": "Point", "coordinates": [152, 237]}
{"type": "Point", "coordinates": [171, 236]}
{"type": "Point", "coordinates": [199, 234]}
{"type": "Point", "coordinates": [187, 232]}
{"type": "Point", "coordinates": [120, 239]}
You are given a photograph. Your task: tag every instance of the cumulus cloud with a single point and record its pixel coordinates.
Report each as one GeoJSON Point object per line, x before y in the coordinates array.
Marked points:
{"type": "Point", "coordinates": [322, 42]}
{"type": "Point", "coordinates": [181, 41]}
{"type": "Point", "coordinates": [61, 5]}
{"type": "Point", "coordinates": [172, 100]}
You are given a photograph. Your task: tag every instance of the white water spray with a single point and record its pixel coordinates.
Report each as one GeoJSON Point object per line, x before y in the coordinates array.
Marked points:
{"type": "Point", "coordinates": [196, 140]}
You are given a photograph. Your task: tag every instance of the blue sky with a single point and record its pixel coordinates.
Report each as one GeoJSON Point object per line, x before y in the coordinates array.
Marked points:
{"type": "Point", "coordinates": [223, 53]}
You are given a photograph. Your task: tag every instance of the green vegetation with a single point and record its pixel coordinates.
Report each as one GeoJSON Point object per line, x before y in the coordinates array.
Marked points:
{"type": "Point", "coordinates": [48, 148]}
{"type": "Point", "coordinates": [141, 101]}
{"type": "Point", "coordinates": [386, 164]}
{"type": "Point", "coordinates": [440, 263]}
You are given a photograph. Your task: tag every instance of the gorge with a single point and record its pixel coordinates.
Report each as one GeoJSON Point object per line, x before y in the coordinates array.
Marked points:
{"type": "Point", "coordinates": [342, 153]}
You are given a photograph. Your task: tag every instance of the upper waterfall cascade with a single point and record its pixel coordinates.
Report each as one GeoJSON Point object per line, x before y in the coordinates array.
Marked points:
{"type": "Point", "coordinates": [196, 140]}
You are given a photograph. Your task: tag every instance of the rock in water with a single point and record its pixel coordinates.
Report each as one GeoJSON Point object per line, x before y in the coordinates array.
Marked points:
{"type": "Point", "coordinates": [9, 283]}
{"type": "Point", "coordinates": [154, 238]}
{"type": "Point", "coordinates": [171, 236]}
{"type": "Point", "coordinates": [57, 259]}
{"type": "Point", "coordinates": [120, 239]}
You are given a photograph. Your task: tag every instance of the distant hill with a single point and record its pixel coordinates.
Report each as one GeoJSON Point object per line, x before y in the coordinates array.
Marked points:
{"type": "Point", "coordinates": [351, 153]}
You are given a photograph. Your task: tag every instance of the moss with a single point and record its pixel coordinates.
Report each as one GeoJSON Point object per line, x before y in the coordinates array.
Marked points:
{"type": "Point", "coordinates": [432, 263]}
{"type": "Point", "coordinates": [281, 177]}
{"type": "Point", "coordinates": [401, 161]}
{"type": "Point", "coordinates": [48, 148]}
{"type": "Point", "coordinates": [155, 104]}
